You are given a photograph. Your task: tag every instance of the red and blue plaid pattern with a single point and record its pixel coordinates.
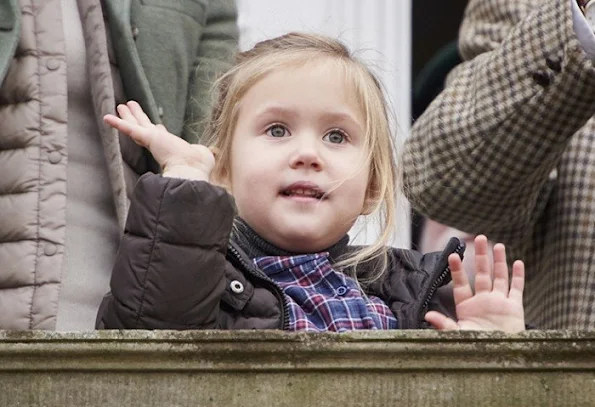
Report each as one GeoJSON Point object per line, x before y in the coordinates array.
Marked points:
{"type": "Point", "coordinates": [321, 299]}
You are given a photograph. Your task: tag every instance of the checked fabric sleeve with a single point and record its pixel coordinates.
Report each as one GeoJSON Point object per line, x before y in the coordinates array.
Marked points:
{"type": "Point", "coordinates": [481, 156]}
{"type": "Point", "coordinates": [508, 149]}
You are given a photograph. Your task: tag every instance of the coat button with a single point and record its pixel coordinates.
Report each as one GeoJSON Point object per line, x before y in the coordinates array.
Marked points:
{"type": "Point", "coordinates": [541, 78]}
{"type": "Point", "coordinates": [52, 64]}
{"type": "Point", "coordinates": [237, 287]}
{"type": "Point", "coordinates": [554, 64]}
{"type": "Point", "coordinates": [160, 112]}
{"type": "Point", "coordinates": [342, 290]}
{"type": "Point", "coordinates": [50, 249]}
{"type": "Point", "coordinates": [55, 157]}
{"type": "Point", "coordinates": [134, 31]}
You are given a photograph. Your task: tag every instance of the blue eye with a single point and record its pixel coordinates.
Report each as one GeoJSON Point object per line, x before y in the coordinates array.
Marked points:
{"type": "Point", "coordinates": [335, 137]}
{"type": "Point", "coordinates": [277, 131]}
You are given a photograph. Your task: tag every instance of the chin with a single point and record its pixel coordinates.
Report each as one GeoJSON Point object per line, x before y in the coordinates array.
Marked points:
{"type": "Point", "coordinates": [304, 243]}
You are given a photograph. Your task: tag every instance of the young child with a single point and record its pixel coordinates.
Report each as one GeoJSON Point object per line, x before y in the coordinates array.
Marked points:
{"type": "Point", "coordinates": [300, 138]}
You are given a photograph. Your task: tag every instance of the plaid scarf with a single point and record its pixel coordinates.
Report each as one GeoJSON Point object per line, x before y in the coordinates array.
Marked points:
{"type": "Point", "coordinates": [321, 299]}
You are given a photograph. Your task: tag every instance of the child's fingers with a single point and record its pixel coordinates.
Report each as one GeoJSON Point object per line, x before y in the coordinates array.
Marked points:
{"type": "Point", "coordinates": [140, 135]}
{"type": "Point", "coordinates": [139, 114]}
{"type": "Point", "coordinates": [483, 278]}
{"type": "Point", "coordinates": [517, 284]}
{"type": "Point", "coordinates": [111, 120]}
{"type": "Point", "coordinates": [126, 115]}
{"type": "Point", "coordinates": [500, 269]}
{"type": "Point", "coordinates": [461, 289]}
{"type": "Point", "coordinates": [117, 123]}
{"type": "Point", "coordinates": [440, 321]}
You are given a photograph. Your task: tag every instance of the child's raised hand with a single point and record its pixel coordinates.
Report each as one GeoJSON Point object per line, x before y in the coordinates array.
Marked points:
{"type": "Point", "coordinates": [496, 304]}
{"type": "Point", "coordinates": [176, 156]}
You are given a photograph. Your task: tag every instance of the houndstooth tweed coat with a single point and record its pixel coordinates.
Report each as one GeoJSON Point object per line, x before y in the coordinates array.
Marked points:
{"type": "Point", "coordinates": [508, 149]}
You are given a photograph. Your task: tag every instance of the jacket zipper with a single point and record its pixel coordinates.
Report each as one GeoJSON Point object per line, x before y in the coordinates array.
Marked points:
{"type": "Point", "coordinates": [263, 278]}
{"type": "Point", "coordinates": [438, 281]}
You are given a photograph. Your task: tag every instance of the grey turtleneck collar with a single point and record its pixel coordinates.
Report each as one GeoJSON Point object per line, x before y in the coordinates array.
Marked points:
{"type": "Point", "coordinates": [255, 246]}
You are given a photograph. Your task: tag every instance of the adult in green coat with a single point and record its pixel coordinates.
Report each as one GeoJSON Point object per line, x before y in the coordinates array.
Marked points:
{"type": "Point", "coordinates": [64, 64]}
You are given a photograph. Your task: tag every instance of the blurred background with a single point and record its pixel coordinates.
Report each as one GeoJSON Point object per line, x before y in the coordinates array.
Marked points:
{"type": "Point", "coordinates": [410, 44]}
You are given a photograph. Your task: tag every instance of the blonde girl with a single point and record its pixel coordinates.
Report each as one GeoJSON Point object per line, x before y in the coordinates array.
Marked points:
{"type": "Point", "coordinates": [251, 232]}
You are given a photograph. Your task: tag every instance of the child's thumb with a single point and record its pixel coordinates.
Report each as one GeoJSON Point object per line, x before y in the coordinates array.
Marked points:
{"type": "Point", "coordinates": [440, 321]}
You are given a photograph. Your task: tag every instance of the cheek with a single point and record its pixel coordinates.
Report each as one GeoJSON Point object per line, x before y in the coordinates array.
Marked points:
{"type": "Point", "coordinates": [243, 162]}
{"type": "Point", "coordinates": [361, 190]}
{"type": "Point", "coordinates": [247, 177]}
{"type": "Point", "coordinates": [250, 199]}
{"type": "Point", "coordinates": [251, 168]}
{"type": "Point", "coordinates": [363, 187]}
{"type": "Point", "coordinates": [361, 182]}
{"type": "Point", "coordinates": [354, 193]}
{"type": "Point", "coordinates": [248, 185]}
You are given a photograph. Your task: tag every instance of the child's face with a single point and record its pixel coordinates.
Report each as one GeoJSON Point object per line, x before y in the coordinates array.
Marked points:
{"type": "Point", "coordinates": [298, 160]}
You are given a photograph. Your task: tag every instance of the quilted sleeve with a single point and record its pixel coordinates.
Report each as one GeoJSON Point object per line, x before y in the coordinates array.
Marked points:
{"type": "Point", "coordinates": [169, 272]}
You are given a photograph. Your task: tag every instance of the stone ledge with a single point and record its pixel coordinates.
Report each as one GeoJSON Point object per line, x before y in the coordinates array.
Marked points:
{"type": "Point", "coordinates": [262, 368]}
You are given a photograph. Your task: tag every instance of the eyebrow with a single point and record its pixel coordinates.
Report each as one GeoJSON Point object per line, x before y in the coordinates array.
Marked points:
{"type": "Point", "coordinates": [276, 111]}
{"type": "Point", "coordinates": [336, 116]}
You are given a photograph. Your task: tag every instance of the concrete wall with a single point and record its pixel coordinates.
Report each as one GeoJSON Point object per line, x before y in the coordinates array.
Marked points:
{"type": "Point", "coordinates": [268, 368]}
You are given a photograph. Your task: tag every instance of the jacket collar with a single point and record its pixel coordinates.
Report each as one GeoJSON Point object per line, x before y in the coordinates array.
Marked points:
{"type": "Point", "coordinates": [136, 85]}
{"type": "Point", "coordinates": [10, 27]}
{"type": "Point", "coordinates": [255, 246]}
{"type": "Point", "coordinates": [411, 283]}
{"type": "Point", "coordinates": [8, 14]}
{"type": "Point", "coordinates": [117, 5]}
{"type": "Point", "coordinates": [409, 286]}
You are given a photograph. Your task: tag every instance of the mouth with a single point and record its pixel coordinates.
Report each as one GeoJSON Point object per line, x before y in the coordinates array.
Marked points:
{"type": "Point", "coordinates": [304, 190]}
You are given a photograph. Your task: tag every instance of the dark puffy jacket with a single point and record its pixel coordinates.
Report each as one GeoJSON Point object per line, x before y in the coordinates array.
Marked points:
{"type": "Point", "coordinates": [178, 269]}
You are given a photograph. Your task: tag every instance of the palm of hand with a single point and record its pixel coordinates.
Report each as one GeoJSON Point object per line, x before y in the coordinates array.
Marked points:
{"type": "Point", "coordinates": [170, 150]}
{"type": "Point", "coordinates": [491, 310]}
{"type": "Point", "coordinates": [167, 149]}
{"type": "Point", "coordinates": [495, 304]}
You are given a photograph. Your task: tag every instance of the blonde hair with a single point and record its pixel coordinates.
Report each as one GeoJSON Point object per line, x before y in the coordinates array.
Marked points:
{"type": "Point", "coordinates": [300, 48]}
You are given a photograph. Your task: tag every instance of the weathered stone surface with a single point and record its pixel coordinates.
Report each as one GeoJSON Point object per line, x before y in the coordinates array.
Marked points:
{"type": "Point", "coordinates": [269, 368]}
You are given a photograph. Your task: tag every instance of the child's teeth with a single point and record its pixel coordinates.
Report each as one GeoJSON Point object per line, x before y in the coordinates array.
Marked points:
{"type": "Point", "coordinates": [303, 192]}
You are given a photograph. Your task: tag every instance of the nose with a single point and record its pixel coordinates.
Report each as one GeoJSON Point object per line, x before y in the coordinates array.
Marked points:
{"type": "Point", "coordinates": [306, 155]}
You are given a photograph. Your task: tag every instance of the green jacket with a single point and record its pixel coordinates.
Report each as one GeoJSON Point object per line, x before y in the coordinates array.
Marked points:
{"type": "Point", "coordinates": [168, 52]}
